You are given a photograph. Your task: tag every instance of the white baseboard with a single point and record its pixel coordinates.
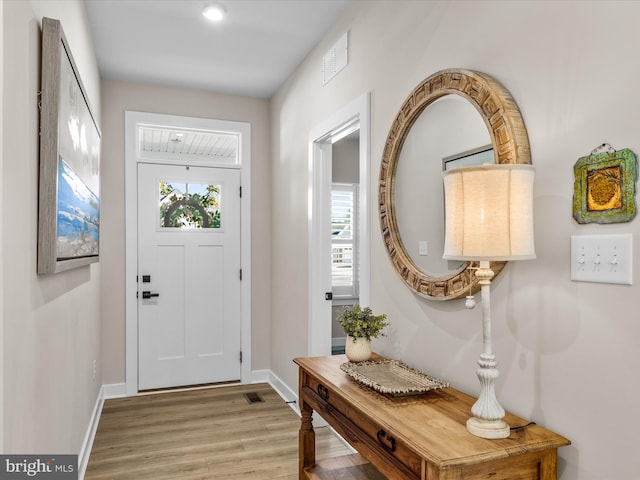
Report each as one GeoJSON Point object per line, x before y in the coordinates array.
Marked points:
{"type": "Point", "coordinates": [288, 395]}
{"type": "Point", "coordinates": [114, 390]}
{"type": "Point", "coordinates": [260, 376]}
{"type": "Point", "coordinates": [291, 398]}
{"type": "Point", "coordinates": [85, 450]}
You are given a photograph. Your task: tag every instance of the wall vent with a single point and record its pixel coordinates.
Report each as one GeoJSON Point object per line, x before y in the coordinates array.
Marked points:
{"type": "Point", "coordinates": [335, 59]}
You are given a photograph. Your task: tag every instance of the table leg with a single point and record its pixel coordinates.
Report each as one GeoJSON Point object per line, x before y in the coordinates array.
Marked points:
{"type": "Point", "coordinates": [306, 436]}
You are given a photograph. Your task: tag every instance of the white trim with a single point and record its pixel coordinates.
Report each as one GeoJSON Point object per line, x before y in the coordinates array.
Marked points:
{"type": "Point", "coordinates": [90, 435]}
{"type": "Point", "coordinates": [114, 390]}
{"type": "Point", "coordinates": [132, 119]}
{"type": "Point", "coordinates": [339, 302]}
{"type": "Point", "coordinates": [320, 138]}
{"type": "Point", "coordinates": [291, 398]}
{"type": "Point", "coordinates": [260, 376]}
{"type": "Point", "coordinates": [364, 202]}
{"type": "Point", "coordinates": [288, 395]}
{"type": "Point", "coordinates": [2, 306]}
{"type": "Point", "coordinates": [338, 341]}
{"type": "Point", "coordinates": [319, 315]}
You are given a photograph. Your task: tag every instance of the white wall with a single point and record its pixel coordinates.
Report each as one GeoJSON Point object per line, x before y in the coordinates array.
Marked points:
{"type": "Point", "coordinates": [1, 230]}
{"type": "Point", "coordinates": [51, 324]}
{"type": "Point", "coordinates": [345, 156]}
{"type": "Point", "coordinates": [120, 96]}
{"type": "Point", "coordinates": [568, 351]}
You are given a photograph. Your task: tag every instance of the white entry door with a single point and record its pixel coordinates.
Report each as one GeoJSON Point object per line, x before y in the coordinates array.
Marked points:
{"type": "Point", "coordinates": [188, 275]}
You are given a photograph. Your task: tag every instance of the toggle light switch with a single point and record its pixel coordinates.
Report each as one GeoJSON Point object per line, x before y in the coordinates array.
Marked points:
{"type": "Point", "coordinates": [602, 258]}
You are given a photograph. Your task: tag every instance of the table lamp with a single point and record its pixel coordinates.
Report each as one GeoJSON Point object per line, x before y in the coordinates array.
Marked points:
{"type": "Point", "coordinates": [489, 217]}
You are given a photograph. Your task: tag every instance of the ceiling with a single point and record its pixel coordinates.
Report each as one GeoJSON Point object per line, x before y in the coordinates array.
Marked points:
{"type": "Point", "coordinates": [168, 42]}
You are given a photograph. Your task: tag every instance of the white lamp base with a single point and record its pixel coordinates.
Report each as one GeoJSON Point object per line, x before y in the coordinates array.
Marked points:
{"type": "Point", "coordinates": [487, 412]}
{"type": "Point", "coordinates": [488, 428]}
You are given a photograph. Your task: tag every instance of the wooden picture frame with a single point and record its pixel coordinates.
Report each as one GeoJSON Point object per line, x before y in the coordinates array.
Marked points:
{"type": "Point", "coordinates": [69, 184]}
{"type": "Point", "coordinates": [605, 187]}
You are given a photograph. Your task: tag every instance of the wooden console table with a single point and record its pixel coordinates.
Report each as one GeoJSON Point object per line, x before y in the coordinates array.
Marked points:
{"type": "Point", "coordinates": [421, 437]}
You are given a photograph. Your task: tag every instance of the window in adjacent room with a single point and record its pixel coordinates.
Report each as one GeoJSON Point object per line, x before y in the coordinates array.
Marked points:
{"type": "Point", "coordinates": [344, 240]}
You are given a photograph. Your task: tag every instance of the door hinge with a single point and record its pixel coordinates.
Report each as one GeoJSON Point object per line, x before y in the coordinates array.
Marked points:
{"type": "Point", "coordinates": [240, 274]}
{"type": "Point", "coordinates": [240, 356]}
{"type": "Point", "coordinates": [241, 192]}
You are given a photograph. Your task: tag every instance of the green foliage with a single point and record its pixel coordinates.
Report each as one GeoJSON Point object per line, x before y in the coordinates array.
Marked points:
{"type": "Point", "coordinates": [362, 323]}
{"type": "Point", "coordinates": [193, 206]}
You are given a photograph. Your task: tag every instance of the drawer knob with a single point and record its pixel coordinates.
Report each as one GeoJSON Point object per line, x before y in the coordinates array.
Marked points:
{"type": "Point", "coordinates": [323, 392]}
{"type": "Point", "coordinates": [387, 441]}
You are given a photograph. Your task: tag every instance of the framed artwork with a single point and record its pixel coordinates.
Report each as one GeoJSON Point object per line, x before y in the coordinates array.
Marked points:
{"type": "Point", "coordinates": [69, 190]}
{"type": "Point", "coordinates": [477, 156]}
{"type": "Point", "coordinates": [604, 188]}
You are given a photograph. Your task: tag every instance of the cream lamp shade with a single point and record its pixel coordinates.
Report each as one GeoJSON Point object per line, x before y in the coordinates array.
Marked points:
{"type": "Point", "coordinates": [489, 213]}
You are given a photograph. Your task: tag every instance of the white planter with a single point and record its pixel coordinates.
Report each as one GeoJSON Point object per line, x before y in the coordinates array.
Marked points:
{"type": "Point", "coordinates": [358, 349]}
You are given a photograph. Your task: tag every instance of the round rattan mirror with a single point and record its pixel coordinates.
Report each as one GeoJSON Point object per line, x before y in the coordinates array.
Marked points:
{"type": "Point", "coordinates": [510, 145]}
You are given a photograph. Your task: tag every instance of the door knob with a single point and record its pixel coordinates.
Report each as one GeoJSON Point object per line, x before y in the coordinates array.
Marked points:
{"type": "Point", "coordinates": [146, 294]}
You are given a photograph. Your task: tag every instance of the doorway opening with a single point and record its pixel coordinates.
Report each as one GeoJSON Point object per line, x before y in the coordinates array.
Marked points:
{"type": "Point", "coordinates": [335, 282]}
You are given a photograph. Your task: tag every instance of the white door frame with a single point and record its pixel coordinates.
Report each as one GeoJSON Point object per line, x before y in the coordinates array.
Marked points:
{"type": "Point", "coordinates": [132, 120]}
{"type": "Point", "coordinates": [353, 116]}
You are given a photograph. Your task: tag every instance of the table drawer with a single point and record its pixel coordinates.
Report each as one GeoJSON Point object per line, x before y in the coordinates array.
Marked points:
{"type": "Point", "coordinates": [377, 443]}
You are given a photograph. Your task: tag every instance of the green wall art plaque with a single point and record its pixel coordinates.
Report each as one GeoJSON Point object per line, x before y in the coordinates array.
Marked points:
{"type": "Point", "coordinates": [604, 188]}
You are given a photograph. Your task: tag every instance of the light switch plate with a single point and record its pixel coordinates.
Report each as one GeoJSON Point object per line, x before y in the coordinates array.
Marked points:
{"type": "Point", "coordinates": [602, 258]}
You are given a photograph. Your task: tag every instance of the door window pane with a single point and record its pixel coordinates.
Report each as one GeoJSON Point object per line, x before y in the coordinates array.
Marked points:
{"type": "Point", "coordinates": [189, 205]}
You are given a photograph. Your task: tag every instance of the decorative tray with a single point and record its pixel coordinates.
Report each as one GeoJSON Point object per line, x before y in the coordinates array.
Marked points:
{"type": "Point", "coordinates": [391, 377]}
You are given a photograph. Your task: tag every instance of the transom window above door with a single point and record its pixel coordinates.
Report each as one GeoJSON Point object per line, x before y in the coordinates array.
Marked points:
{"type": "Point", "coordinates": [199, 147]}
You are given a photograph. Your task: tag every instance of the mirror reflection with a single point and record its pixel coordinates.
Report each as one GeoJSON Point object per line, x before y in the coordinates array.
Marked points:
{"type": "Point", "coordinates": [449, 129]}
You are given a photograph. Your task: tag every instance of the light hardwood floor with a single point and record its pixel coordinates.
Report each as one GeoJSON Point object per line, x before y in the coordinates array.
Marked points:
{"type": "Point", "coordinates": [212, 433]}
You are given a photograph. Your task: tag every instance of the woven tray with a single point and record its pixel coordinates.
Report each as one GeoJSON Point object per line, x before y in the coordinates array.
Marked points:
{"type": "Point", "coordinates": [391, 377]}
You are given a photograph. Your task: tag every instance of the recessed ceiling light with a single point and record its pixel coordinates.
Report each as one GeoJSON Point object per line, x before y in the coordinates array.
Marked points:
{"type": "Point", "coordinates": [215, 13]}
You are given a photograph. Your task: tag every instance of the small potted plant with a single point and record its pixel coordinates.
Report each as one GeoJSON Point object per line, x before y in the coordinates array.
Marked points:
{"type": "Point", "coordinates": [360, 325]}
